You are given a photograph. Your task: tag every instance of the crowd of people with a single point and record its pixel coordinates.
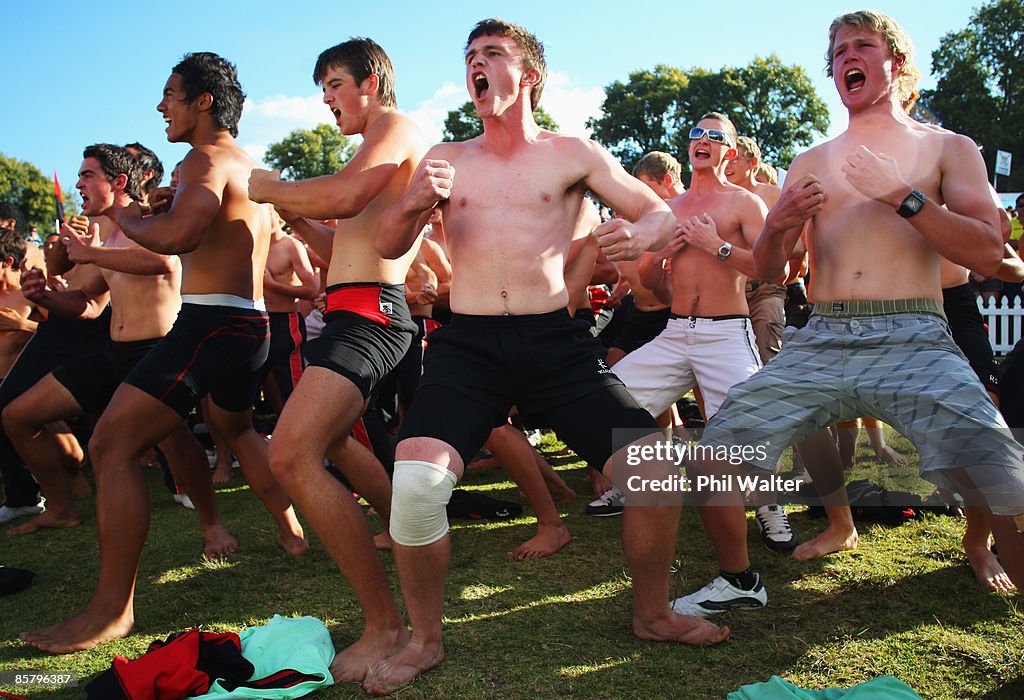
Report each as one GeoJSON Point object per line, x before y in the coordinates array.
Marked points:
{"type": "Point", "coordinates": [458, 275]}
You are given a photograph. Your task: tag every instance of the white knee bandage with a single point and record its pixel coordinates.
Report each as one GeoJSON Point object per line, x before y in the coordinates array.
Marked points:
{"type": "Point", "coordinates": [419, 494]}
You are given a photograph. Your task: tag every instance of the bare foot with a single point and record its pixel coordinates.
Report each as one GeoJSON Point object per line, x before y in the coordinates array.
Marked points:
{"type": "Point", "coordinates": [354, 663]}
{"type": "Point", "coordinates": [890, 455]}
{"type": "Point", "coordinates": [561, 494]}
{"type": "Point", "coordinates": [483, 464]}
{"type": "Point", "coordinates": [680, 628]}
{"type": "Point", "coordinates": [548, 540]}
{"type": "Point", "coordinates": [219, 542]}
{"type": "Point", "coordinates": [831, 540]}
{"type": "Point", "coordinates": [382, 541]}
{"type": "Point", "coordinates": [295, 545]}
{"type": "Point", "coordinates": [47, 519]}
{"type": "Point", "coordinates": [221, 473]}
{"type": "Point", "coordinates": [988, 571]}
{"type": "Point", "coordinates": [83, 631]}
{"type": "Point", "coordinates": [80, 488]}
{"type": "Point", "coordinates": [403, 668]}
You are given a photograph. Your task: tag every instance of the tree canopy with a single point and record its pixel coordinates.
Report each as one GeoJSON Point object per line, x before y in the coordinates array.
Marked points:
{"type": "Point", "coordinates": [25, 186]}
{"type": "Point", "coordinates": [980, 87]}
{"type": "Point", "coordinates": [772, 103]}
{"type": "Point", "coordinates": [306, 153]}
{"type": "Point", "coordinates": [463, 124]}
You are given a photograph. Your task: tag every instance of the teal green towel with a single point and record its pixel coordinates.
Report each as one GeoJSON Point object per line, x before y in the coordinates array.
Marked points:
{"type": "Point", "coordinates": [883, 688]}
{"type": "Point", "coordinates": [299, 643]}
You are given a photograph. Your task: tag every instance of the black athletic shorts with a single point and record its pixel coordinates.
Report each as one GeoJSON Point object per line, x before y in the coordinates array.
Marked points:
{"type": "Point", "coordinates": [56, 341]}
{"type": "Point", "coordinates": [549, 365]}
{"type": "Point", "coordinates": [641, 328]}
{"type": "Point", "coordinates": [968, 331]}
{"type": "Point", "coordinates": [93, 379]}
{"type": "Point", "coordinates": [367, 332]}
{"type": "Point", "coordinates": [219, 350]}
{"type": "Point", "coordinates": [287, 336]}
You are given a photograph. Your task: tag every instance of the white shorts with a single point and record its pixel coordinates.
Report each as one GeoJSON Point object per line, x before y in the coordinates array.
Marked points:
{"type": "Point", "coordinates": [712, 353]}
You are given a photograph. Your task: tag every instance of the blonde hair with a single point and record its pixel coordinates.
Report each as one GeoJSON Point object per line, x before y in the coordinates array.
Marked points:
{"type": "Point", "coordinates": [748, 147]}
{"type": "Point", "coordinates": [895, 36]}
{"type": "Point", "coordinates": [656, 165]}
{"type": "Point", "coordinates": [769, 172]}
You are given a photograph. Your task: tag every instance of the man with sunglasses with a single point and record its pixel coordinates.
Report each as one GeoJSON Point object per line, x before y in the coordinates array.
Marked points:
{"type": "Point", "coordinates": [708, 339]}
{"type": "Point", "coordinates": [879, 207]}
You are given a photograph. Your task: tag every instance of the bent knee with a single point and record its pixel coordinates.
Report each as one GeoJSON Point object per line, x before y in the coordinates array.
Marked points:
{"type": "Point", "coordinates": [419, 498]}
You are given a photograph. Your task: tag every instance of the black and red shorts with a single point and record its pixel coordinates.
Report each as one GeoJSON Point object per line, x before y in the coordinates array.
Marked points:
{"type": "Point", "coordinates": [219, 350]}
{"type": "Point", "coordinates": [367, 332]}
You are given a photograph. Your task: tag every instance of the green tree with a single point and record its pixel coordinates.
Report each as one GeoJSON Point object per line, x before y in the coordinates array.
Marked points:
{"type": "Point", "coordinates": [641, 115]}
{"type": "Point", "coordinates": [980, 86]}
{"type": "Point", "coordinates": [463, 124]}
{"type": "Point", "coordinates": [25, 186]}
{"type": "Point", "coordinates": [774, 104]}
{"type": "Point", "coordinates": [306, 153]}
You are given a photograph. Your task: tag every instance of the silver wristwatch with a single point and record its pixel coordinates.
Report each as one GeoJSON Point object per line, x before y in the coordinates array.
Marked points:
{"type": "Point", "coordinates": [725, 251]}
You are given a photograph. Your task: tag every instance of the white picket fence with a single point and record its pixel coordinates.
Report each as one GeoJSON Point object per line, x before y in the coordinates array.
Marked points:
{"type": "Point", "coordinates": [1004, 323]}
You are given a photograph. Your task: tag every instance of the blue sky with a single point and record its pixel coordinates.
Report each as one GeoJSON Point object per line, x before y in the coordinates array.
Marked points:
{"type": "Point", "coordinates": [76, 75]}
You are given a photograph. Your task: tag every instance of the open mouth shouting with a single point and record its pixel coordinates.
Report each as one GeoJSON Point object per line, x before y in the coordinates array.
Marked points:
{"type": "Point", "coordinates": [854, 79]}
{"type": "Point", "coordinates": [480, 85]}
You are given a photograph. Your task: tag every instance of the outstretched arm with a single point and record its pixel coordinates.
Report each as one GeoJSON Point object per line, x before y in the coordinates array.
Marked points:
{"type": "Point", "coordinates": [345, 193]}
{"type": "Point", "coordinates": [196, 203]}
{"type": "Point", "coordinates": [133, 259]}
{"type": "Point", "coordinates": [646, 223]}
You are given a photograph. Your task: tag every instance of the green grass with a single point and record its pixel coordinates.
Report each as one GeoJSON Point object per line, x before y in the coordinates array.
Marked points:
{"type": "Point", "coordinates": [905, 603]}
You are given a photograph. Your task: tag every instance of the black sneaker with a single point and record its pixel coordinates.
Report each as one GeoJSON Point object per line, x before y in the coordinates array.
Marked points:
{"type": "Point", "coordinates": [611, 502]}
{"type": "Point", "coordinates": [776, 534]}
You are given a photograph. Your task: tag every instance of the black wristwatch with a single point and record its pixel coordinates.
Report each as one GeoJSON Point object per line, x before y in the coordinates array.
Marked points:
{"type": "Point", "coordinates": [725, 250]}
{"type": "Point", "coordinates": [912, 204]}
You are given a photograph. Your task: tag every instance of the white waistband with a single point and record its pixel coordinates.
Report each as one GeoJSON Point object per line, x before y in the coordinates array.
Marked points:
{"type": "Point", "coordinates": [224, 300]}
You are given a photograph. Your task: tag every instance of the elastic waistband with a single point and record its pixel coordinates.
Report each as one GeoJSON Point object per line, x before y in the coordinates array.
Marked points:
{"type": "Point", "coordinates": [230, 300]}
{"type": "Point", "coordinates": [132, 345]}
{"type": "Point", "coordinates": [373, 301]}
{"type": "Point", "coordinates": [511, 320]}
{"type": "Point", "coordinates": [878, 307]}
{"type": "Point", "coordinates": [727, 317]}
{"type": "Point", "coordinates": [364, 285]}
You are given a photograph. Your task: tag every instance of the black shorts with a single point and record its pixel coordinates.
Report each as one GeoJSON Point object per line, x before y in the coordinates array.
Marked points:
{"type": "Point", "coordinates": [367, 332]}
{"type": "Point", "coordinates": [93, 379]}
{"type": "Point", "coordinates": [219, 350]}
{"type": "Point", "coordinates": [968, 330]}
{"type": "Point", "coordinates": [641, 328]}
{"type": "Point", "coordinates": [56, 341]}
{"type": "Point", "coordinates": [287, 336]}
{"type": "Point", "coordinates": [549, 365]}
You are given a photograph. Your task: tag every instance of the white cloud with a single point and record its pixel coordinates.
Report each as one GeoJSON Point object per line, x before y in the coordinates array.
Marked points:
{"type": "Point", "coordinates": [271, 119]}
{"type": "Point", "coordinates": [570, 105]}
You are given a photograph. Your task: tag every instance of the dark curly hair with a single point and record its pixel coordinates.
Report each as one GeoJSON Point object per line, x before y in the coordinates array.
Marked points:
{"type": "Point", "coordinates": [207, 72]}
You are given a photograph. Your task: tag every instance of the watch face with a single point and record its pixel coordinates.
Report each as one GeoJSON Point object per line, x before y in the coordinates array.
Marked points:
{"type": "Point", "coordinates": [914, 204]}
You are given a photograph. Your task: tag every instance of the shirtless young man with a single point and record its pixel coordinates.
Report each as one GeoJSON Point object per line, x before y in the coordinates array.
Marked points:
{"type": "Point", "coordinates": [143, 289]}
{"type": "Point", "coordinates": [368, 331]}
{"type": "Point", "coordinates": [708, 339]}
{"type": "Point", "coordinates": [510, 200]}
{"type": "Point", "coordinates": [288, 279]}
{"type": "Point", "coordinates": [18, 315]}
{"type": "Point", "coordinates": [222, 239]}
{"type": "Point", "coordinates": [869, 204]}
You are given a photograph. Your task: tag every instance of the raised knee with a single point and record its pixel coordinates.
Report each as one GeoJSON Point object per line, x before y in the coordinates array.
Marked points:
{"type": "Point", "coordinates": [419, 496]}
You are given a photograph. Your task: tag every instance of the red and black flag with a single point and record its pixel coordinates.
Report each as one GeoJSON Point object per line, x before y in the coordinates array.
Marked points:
{"type": "Point", "coordinates": [60, 197]}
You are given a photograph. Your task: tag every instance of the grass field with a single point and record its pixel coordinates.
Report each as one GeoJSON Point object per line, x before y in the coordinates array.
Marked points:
{"type": "Point", "coordinates": [905, 603]}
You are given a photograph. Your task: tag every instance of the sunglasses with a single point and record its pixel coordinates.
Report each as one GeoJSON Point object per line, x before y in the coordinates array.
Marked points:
{"type": "Point", "coordinates": [712, 134]}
